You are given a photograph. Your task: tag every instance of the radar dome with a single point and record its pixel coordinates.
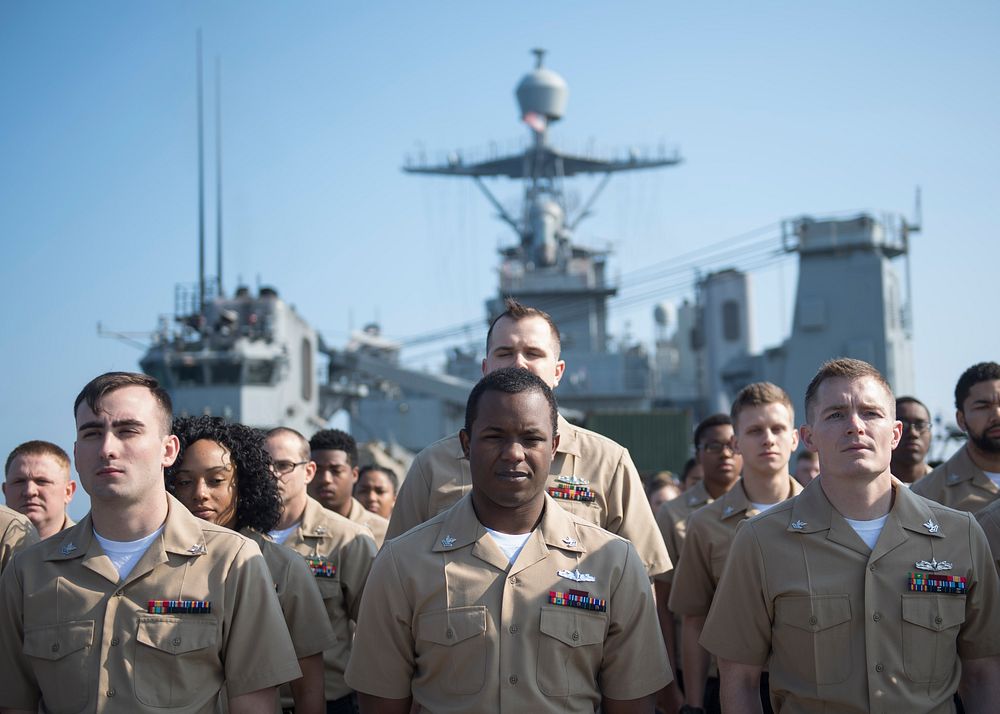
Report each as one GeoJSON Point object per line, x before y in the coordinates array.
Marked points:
{"type": "Point", "coordinates": [543, 92]}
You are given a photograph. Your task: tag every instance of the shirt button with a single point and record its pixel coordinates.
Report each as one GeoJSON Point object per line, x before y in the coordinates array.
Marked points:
{"type": "Point", "coordinates": [449, 633]}
{"type": "Point", "coordinates": [513, 629]}
{"type": "Point", "coordinates": [512, 679]}
{"type": "Point", "coordinates": [872, 567]}
{"type": "Point", "coordinates": [938, 620]}
{"type": "Point", "coordinates": [177, 641]}
{"type": "Point", "coordinates": [512, 580]}
{"type": "Point", "coordinates": [877, 616]}
{"type": "Point", "coordinates": [55, 647]}
{"type": "Point", "coordinates": [118, 593]}
{"type": "Point", "coordinates": [576, 635]}
{"type": "Point", "coordinates": [813, 620]}
{"type": "Point", "coordinates": [111, 692]}
{"type": "Point", "coordinates": [114, 641]}
{"type": "Point", "coordinates": [879, 667]}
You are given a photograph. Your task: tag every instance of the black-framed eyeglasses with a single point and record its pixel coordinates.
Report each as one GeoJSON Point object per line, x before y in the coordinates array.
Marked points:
{"type": "Point", "coordinates": [717, 447]}
{"type": "Point", "coordinates": [919, 426]}
{"type": "Point", "coordinates": [282, 468]}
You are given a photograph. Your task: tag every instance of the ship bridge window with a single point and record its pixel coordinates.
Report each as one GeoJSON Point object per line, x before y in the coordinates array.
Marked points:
{"type": "Point", "coordinates": [225, 372]}
{"type": "Point", "coordinates": [731, 320]}
{"type": "Point", "coordinates": [259, 371]}
{"type": "Point", "coordinates": [187, 375]}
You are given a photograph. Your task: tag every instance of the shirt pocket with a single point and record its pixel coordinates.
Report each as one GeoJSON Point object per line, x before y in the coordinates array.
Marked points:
{"type": "Point", "coordinates": [176, 660]}
{"type": "Point", "coordinates": [451, 648]}
{"type": "Point", "coordinates": [568, 661]}
{"type": "Point", "coordinates": [58, 656]}
{"type": "Point", "coordinates": [812, 637]}
{"type": "Point", "coordinates": [930, 631]}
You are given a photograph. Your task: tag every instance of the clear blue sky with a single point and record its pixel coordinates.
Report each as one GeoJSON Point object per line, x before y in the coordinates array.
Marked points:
{"type": "Point", "coordinates": [779, 108]}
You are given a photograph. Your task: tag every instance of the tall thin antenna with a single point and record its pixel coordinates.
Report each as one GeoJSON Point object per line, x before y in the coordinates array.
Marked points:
{"type": "Point", "coordinates": [201, 193]}
{"type": "Point", "coordinates": [218, 175]}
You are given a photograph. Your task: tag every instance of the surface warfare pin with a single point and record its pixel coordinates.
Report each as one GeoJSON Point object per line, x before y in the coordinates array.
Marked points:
{"type": "Point", "coordinates": [933, 565]}
{"type": "Point", "coordinates": [576, 576]}
{"type": "Point", "coordinates": [572, 480]}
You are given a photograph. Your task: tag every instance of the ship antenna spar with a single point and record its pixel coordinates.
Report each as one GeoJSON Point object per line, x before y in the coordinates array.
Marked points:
{"type": "Point", "coordinates": [539, 56]}
{"type": "Point", "coordinates": [201, 193]}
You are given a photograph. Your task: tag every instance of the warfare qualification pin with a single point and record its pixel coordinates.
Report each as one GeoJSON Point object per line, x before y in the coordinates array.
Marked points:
{"type": "Point", "coordinates": [933, 565]}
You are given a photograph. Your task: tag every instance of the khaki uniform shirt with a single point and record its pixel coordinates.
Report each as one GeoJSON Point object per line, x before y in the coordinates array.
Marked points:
{"type": "Point", "coordinates": [16, 533]}
{"type": "Point", "coordinates": [958, 483]}
{"type": "Point", "coordinates": [440, 475]}
{"type": "Point", "coordinates": [448, 618]}
{"type": "Point", "coordinates": [709, 536]}
{"type": "Point", "coordinates": [837, 624]}
{"type": "Point", "coordinates": [376, 524]}
{"type": "Point", "coordinates": [74, 637]}
{"type": "Point", "coordinates": [341, 553]}
{"type": "Point", "coordinates": [989, 519]}
{"type": "Point", "coordinates": [672, 519]}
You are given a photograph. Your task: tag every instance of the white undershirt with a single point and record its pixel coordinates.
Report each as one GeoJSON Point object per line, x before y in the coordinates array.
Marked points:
{"type": "Point", "coordinates": [510, 543]}
{"type": "Point", "coordinates": [280, 535]}
{"type": "Point", "coordinates": [868, 531]}
{"type": "Point", "coordinates": [763, 506]}
{"type": "Point", "coordinates": [994, 477]}
{"type": "Point", "coordinates": [125, 554]}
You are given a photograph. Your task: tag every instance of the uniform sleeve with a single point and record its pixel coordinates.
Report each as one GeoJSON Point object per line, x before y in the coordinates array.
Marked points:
{"type": "Point", "coordinates": [692, 589]}
{"type": "Point", "coordinates": [16, 536]}
{"type": "Point", "coordinates": [383, 655]}
{"type": "Point", "coordinates": [980, 633]}
{"type": "Point", "coordinates": [413, 500]}
{"type": "Point", "coordinates": [990, 522]}
{"type": "Point", "coordinates": [630, 516]}
{"type": "Point", "coordinates": [253, 618]}
{"type": "Point", "coordinates": [665, 521]}
{"type": "Point", "coordinates": [738, 626]}
{"type": "Point", "coordinates": [18, 686]}
{"type": "Point", "coordinates": [302, 605]}
{"type": "Point", "coordinates": [355, 564]}
{"type": "Point", "coordinates": [635, 659]}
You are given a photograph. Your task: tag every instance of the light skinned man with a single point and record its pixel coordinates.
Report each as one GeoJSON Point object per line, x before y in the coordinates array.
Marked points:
{"type": "Point", "coordinates": [140, 607]}
{"type": "Point", "coordinates": [592, 476]}
{"type": "Point", "coordinates": [857, 595]}
{"type": "Point", "coordinates": [765, 437]}
{"type": "Point", "coordinates": [806, 467]}
{"type": "Point", "coordinates": [909, 459]}
{"type": "Point", "coordinates": [339, 553]}
{"type": "Point", "coordinates": [970, 479]}
{"type": "Point", "coordinates": [37, 483]}
{"type": "Point", "coordinates": [506, 602]}
{"type": "Point", "coordinates": [335, 454]}
{"type": "Point", "coordinates": [720, 467]}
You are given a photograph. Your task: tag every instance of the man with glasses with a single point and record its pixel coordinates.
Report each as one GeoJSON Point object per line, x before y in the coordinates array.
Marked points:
{"type": "Point", "coordinates": [909, 459]}
{"type": "Point", "coordinates": [720, 468]}
{"type": "Point", "coordinates": [970, 479]}
{"type": "Point", "coordinates": [339, 553]}
{"type": "Point", "coordinates": [765, 436]}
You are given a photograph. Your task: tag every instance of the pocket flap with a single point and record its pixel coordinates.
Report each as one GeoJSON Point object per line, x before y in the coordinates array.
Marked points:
{"type": "Point", "coordinates": [813, 614]}
{"type": "Point", "coordinates": [573, 627]}
{"type": "Point", "coordinates": [935, 612]}
{"type": "Point", "coordinates": [449, 627]}
{"type": "Point", "coordinates": [54, 642]}
{"type": "Point", "coordinates": [176, 636]}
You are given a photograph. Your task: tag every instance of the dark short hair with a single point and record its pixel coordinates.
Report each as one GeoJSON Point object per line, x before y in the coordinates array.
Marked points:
{"type": "Point", "coordinates": [757, 395]}
{"type": "Point", "coordinates": [688, 465]}
{"type": "Point", "coordinates": [911, 400]}
{"type": "Point", "coordinates": [303, 442]}
{"type": "Point", "coordinates": [846, 368]}
{"type": "Point", "coordinates": [981, 372]}
{"type": "Point", "coordinates": [258, 503]}
{"type": "Point", "coordinates": [516, 312]}
{"type": "Point", "coordinates": [101, 386]}
{"type": "Point", "coordinates": [707, 423]}
{"type": "Point", "coordinates": [509, 380]}
{"type": "Point", "coordinates": [335, 440]}
{"type": "Point", "coordinates": [389, 474]}
{"type": "Point", "coordinates": [38, 448]}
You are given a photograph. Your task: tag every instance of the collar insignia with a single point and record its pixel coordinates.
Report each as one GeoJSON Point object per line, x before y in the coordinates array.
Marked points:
{"type": "Point", "coordinates": [197, 549]}
{"type": "Point", "coordinates": [952, 478]}
{"type": "Point", "coordinates": [570, 542]}
{"type": "Point", "coordinates": [932, 526]}
{"type": "Point", "coordinates": [447, 541]}
{"type": "Point", "coordinates": [572, 480]}
{"type": "Point", "coordinates": [799, 525]}
{"type": "Point", "coordinates": [320, 530]}
{"type": "Point", "coordinates": [67, 549]}
{"type": "Point", "coordinates": [933, 565]}
{"type": "Point", "coordinates": [576, 576]}
{"type": "Point", "coordinates": [728, 511]}
{"type": "Point", "coordinates": [693, 500]}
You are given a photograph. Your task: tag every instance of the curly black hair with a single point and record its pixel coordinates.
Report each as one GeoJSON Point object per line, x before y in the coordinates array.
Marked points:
{"type": "Point", "coordinates": [258, 503]}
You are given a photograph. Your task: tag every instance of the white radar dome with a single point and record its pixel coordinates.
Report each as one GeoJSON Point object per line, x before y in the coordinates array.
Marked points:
{"type": "Point", "coordinates": [544, 92]}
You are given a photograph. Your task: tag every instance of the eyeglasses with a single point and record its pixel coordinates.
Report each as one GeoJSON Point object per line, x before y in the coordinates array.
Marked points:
{"type": "Point", "coordinates": [918, 426]}
{"type": "Point", "coordinates": [282, 468]}
{"type": "Point", "coordinates": [717, 447]}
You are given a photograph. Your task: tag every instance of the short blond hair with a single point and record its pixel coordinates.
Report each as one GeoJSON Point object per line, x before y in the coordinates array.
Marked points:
{"type": "Point", "coordinates": [846, 368]}
{"type": "Point", "coordinates": [757, 395]}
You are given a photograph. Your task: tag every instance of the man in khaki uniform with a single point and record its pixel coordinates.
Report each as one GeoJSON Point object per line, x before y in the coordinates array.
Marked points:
{"type": "Point", "coordinates": [16, 532]}
{"type": "Point", "coordinates": [506, 602]}
{"type": "Point", "coordinates": [339, 553]}
{"type": "Point", "coordinates": [140, 607]}
{"type": "Point", "coordinates": [591, 476]}
{"type": "Point", "coordinates": [857, 595]}
{"type": "Point", "coordinates": [335, 454]}
{"type": "Point", "coordinates": [970, 479]}
{"type": "Point", "coordinates": [765, 437]}
{"type": "Point", "coordinates": [720, 469]}
{"type": "Point", "coordinates": [37, 483]}
{"type": "Point", "coordinates": [909, 459]}
{"type": "Point", "coordinates": [989, 519]}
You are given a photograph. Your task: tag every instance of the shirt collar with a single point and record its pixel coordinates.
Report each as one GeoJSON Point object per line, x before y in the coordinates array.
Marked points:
{"type": "Point", "coordinates": [961, 468]}
{"type": "Point", "coordinates": [697, 495]}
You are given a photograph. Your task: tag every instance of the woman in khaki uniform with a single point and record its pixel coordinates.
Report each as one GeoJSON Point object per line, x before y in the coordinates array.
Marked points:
{"type": "Point", "coordinates": [223, 475]}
